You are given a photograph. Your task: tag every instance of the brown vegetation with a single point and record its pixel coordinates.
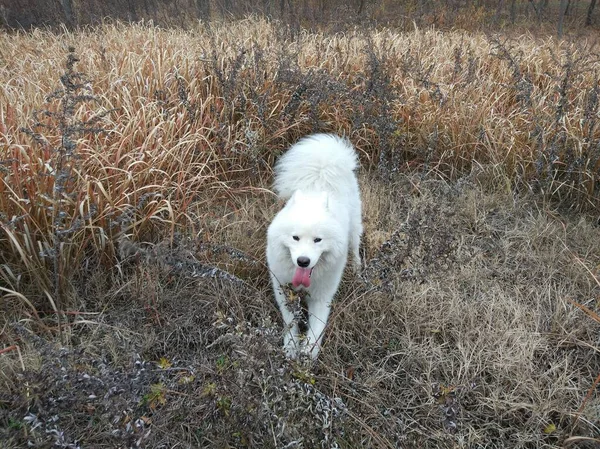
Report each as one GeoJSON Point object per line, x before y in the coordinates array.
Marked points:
{"type": "Point", "coordinates": [134, 206]}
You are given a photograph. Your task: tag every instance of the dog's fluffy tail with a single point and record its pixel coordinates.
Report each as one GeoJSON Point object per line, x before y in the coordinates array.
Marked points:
{"type": "Point", "coordinates": [322, 162]}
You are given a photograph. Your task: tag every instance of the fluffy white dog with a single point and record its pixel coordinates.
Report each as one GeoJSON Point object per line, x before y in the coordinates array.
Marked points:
{"type": "Point", "coordinates": [309, 239]}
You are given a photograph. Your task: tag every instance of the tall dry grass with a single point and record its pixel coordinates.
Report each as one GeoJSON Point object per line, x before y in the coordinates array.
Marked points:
{"type": "Point", "coordinates": [199, 116]}
{"type": "Point", "coordinates": [458, 334]}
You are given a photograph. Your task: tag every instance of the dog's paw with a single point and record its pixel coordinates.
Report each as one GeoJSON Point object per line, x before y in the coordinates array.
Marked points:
{"type": "Point", "coordinates": [311, 348]}
{"type": "Point", "coordinates": [291, 346]}
{"type": "Point", "coordinates": [291, 351]}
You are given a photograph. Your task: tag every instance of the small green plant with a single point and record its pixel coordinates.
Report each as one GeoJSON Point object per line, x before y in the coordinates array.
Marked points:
{"type": "Point", "coordinates": [14, 424]}
{"type": "Point", "coordinates": [156, 397]}
{"type": "Point", "coordinates": [210, 389]}
{"type": "Point", "coordinates": [303, 374]}
{"type": "Point", "coordinates": [223, 363]}
{"type": "Point", "coordinates": [224, 404]}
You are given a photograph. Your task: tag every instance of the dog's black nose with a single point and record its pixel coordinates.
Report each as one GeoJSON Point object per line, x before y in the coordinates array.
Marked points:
{"type": "Point", "coordinates": [303, 261]}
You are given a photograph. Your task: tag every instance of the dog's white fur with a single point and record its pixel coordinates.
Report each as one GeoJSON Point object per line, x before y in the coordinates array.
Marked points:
{"type": "Point", "coordinates": [317, 176]}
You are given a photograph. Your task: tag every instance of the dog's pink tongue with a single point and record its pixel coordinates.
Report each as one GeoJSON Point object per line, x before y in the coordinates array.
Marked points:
{"type": "Point", "coordinates": [301, 277]}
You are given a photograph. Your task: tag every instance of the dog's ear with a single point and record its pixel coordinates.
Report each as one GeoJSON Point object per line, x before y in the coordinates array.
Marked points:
{"type": "Point", "coordinates": [297, 195]}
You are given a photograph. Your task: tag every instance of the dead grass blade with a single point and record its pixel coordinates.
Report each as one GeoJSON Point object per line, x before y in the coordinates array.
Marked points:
{"type": "Point", "coordinates": [593, 315]}
{"type": "Point", "coordinates": [573, 440]}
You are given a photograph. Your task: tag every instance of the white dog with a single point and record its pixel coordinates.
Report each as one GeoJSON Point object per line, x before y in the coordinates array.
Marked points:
{"type": "Point", "coordinates": [309, 239]}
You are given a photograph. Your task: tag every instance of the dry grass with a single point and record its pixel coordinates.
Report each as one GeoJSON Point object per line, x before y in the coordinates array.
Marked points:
{"type": "Point", "coordinates": [461, 331]}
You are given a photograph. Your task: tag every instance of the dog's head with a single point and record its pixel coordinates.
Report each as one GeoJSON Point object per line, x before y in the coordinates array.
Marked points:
{"type": "Point", "coordinates": [310, 233]}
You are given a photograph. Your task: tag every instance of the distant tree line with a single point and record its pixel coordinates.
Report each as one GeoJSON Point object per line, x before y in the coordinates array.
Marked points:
{"type": "Point", "coordinates": [25, 14]}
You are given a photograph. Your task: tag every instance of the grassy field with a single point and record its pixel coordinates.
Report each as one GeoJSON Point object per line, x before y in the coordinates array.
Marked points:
{"type": "Point", "coordinates": [135, 196]}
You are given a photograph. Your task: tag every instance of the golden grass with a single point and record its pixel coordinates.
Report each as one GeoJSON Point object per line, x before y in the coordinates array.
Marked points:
{"type": "Point", "coordinates": [201, 115]}
{"type": "Point", "coordinates": [475, 303]}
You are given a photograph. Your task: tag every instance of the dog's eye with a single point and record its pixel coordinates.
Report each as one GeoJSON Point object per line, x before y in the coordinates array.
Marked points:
{"type": "Point", "coordinates": [317, 240]}
{"type": "Point", "coordinates": [295, 237]}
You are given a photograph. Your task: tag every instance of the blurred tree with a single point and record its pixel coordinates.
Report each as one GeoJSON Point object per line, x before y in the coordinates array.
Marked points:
{"type": "Point", "coordinates": [561, 17]}
{"type": "Point", "coordinates": [590, 11]}
{"type": "Point", "coordinates": [203, 9]}
{"type": "Point", "coordinates": [67, 7]}
{"type": "Point", "coordinates": [513, 11]}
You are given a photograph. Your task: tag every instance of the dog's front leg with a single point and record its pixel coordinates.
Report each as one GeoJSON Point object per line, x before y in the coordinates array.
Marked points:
{"type": "Point", "coordinates": [291, 342]}
{"type": "Point", "coordinates": [318, 313]}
